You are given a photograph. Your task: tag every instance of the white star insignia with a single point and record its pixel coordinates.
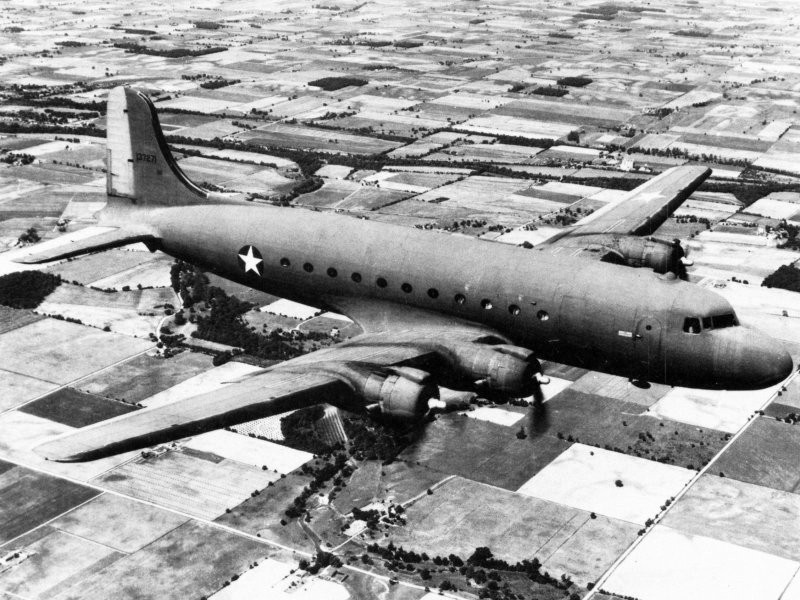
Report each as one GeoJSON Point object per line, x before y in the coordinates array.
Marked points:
{"type": "Point", "coordinates": [250, 261]}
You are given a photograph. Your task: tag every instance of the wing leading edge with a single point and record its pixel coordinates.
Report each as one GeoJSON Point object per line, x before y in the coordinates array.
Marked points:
{"type": "Point", "coordinates": [642, 210]}
{"type": "Point", "coordinates": [324, 376]}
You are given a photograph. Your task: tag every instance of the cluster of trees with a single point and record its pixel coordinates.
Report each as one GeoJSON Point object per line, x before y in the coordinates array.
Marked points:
{"type": "Point", "coordinates": [786, 278]}
{"type": "Point", "coordinates": [219, 82]}
{"type": "Point", "coordinates": [50, 115]}
{"type": "Point", "coordinates": [27, 289]}
{"type": "Point", "coordinates": [208, 25]}
{"type": "Point", "coordinates": [574, 81]}
{"type": "Point", "coordinates": [321, 560]}
{"type": "Point", "coordinates": [29, 236]}
{"type": "Point", "coordinates": [698, 33]}
{"type": "Point", "coordinates": [300, 431]}
{"type": "Point", "coordinates": [134, 48]}
{"type": "Point", "coordinates": [331, 84]}
{"type": "Point", "coordinates": [17, 127]}
{"type": "Point", "coordinates": [320, 475]}
{"type": "Point", "coordinates": [371, 439]}
{"type": "Point", "coordinates": [548, 90]}
{"type": "Point", "coordinates": [224, 325]}
{"type": "Point", "coordinates": [12, 158]}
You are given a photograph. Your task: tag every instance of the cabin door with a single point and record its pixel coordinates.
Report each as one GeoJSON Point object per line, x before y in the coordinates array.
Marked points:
{"type": "Point", "coordinates": [647, 347]}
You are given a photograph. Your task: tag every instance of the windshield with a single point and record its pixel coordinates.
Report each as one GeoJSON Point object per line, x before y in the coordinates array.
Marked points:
{"type": "Point", "coordinates": [692, 324]}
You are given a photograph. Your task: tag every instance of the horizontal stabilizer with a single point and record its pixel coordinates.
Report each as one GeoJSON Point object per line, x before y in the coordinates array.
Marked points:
{"type": "Point", "coordinates": [102, 241]}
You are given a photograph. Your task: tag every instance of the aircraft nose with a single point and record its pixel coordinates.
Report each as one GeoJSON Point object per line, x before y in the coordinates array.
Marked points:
{"type": "Point", "coordinates": [753, 361]}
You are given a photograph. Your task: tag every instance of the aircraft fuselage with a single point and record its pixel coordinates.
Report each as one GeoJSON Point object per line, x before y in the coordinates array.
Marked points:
{"type": "Point", "coordinates": [625, 321]}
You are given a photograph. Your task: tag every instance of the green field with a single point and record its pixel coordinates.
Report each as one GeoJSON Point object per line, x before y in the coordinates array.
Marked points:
{"type": "Point", "coordinates": [765, 454]}
{"type": "Point", "coordinates": [123, 524]}
{"type": "Point", "coordinates": [11, 318]}
{"type": "Point", "coordinates": [623, 427]}
{"type": "Point", "coordinates": [190, 561]}
{"type": "Point", "coordinates": [462, 515]}
{"type": "Point", "coordinates": [61, 352]}
{"type": "Point", "coordinates": [57, 561]}
{"type": "Point", "coordinates": [263, 513]}
{"type": "Point", "coordinates": [28, 499]}
{"type": "Point", "coordinates": [145, 375]}
{"type": "Point", "coordinates": [483, 451]}
{"type": "Point", "coordinates": [748, 515]}
{"type": "Point", "coordinates": [76, 409]}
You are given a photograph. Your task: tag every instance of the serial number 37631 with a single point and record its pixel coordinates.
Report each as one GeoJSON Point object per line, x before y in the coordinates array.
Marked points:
{"type": "Point", "coordinates": [151, 158]}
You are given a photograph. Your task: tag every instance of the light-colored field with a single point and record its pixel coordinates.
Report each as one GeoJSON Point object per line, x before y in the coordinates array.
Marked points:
{"type": "Point", "coordinates": [120, 311]}
{"type": "Point", "coordinates": [208, 381]}
{"type": "Point", "coordinates": [775, 209]}
{"type": "Point", "coordinates": [204, 105]}
{"type": "Point", "coordinates": [334, 171]}
{"type": "Point", "coordinates": [209, 131]}
{"type": "Point", "coordinates": [250, 451]}
{"type": "Point", "coordinates": [279, 580]}
{"type": "Point", "coordinates": [16, 389]}
{"type": "Point", "coordinates": [461, 515]}
{"type": "Point", "coordinates": [331, 192]}
{"type": "Point", "coordinates": [254, 157]}
{"type": "Point", "coordinates": [721, 410]}
{"type": "Point", "coordinates": [669, 564]}
{"type": "Point", "coordinates": [516, 126]}
{"type": "Point", "coordinates": [153, 273]}
{"type": "Point", "coordinates": [414, 149]}
{"type": "Point", "coordinates": [291, 309]}
{"type": "Point", "coordinates": [92, 267]}
{"type": "Point", "coordinates": [61, 352]}
{"type": "Point", "coordinates": [584, 477]}
{"type": "Point", "coordinates": [56, 561]}
{"type": "Point", "coordinates": [500, 153]}
{"type": "Point", "coordinates": [119, 523]}
{"type": "Point", "coordinates": [740, 513]}
{"type": "Point", "coordinates": [268, 575]}
{"type": "Point", "coordinates": [495, 415]}
{"type": "Point", "coordinates": [188, 484]}
{"type": "Point", "coordinates": [742, 260]}
{"type": "Point", "coordinates": [476, 101]}
{"type": "Point", "coordinates": [476, 191]}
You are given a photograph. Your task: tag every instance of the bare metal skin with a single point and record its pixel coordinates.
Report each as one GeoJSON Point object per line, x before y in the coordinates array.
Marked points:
{"type": "Point", "coordinates": [488, 310]}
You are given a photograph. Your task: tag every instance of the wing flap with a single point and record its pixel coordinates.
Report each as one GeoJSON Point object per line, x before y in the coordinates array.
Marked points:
{"type": "Point", "coordinates": [266, 394]}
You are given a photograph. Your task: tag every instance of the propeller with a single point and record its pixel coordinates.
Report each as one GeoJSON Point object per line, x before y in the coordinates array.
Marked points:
{"type": "Point", "coordinates": [538, 417]}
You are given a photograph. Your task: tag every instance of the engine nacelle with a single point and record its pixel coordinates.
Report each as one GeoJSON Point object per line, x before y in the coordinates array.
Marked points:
{"type": "Point", "coordinates": [397, 392]}
{"type": "Point", "coordinates": [501, 368]}
{"type": "Point", "coordinates": [660, 255]}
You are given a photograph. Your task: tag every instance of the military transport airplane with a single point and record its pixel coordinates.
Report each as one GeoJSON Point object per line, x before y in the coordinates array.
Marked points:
{"type": "Point", "coordinates": [436, 309]}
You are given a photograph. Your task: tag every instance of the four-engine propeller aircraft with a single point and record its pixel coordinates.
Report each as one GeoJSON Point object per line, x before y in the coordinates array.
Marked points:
{"type": "Point", "coordinates": [436, 310]}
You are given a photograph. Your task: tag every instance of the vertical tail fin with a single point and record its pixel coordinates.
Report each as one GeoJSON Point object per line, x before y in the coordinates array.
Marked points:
{"type": "Point", "coordinates": [140, 164]}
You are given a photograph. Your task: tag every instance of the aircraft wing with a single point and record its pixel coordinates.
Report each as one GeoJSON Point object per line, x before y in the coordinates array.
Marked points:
{"type": "Point", "coordinates": [307, 380]}
{"type": "Point", "coordinates": [642, 210]}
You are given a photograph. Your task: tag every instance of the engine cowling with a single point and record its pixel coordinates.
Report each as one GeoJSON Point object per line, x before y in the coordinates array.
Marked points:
{"type": "Point", "coordinates": [396, 392]}
{"type": "Point", "coordinates": [660, 255]}
{"type": "Point", "coordinates": [500, 368]}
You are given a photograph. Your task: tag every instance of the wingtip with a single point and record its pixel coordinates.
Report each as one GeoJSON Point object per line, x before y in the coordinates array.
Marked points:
{"type": "Point", "coordinates": [50, 452]}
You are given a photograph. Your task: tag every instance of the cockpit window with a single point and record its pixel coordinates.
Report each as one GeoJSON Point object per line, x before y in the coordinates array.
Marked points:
{"type": "Point", "coordinates": [726, 320]}
{"type": "Point", "coordinates": [691, 325]}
